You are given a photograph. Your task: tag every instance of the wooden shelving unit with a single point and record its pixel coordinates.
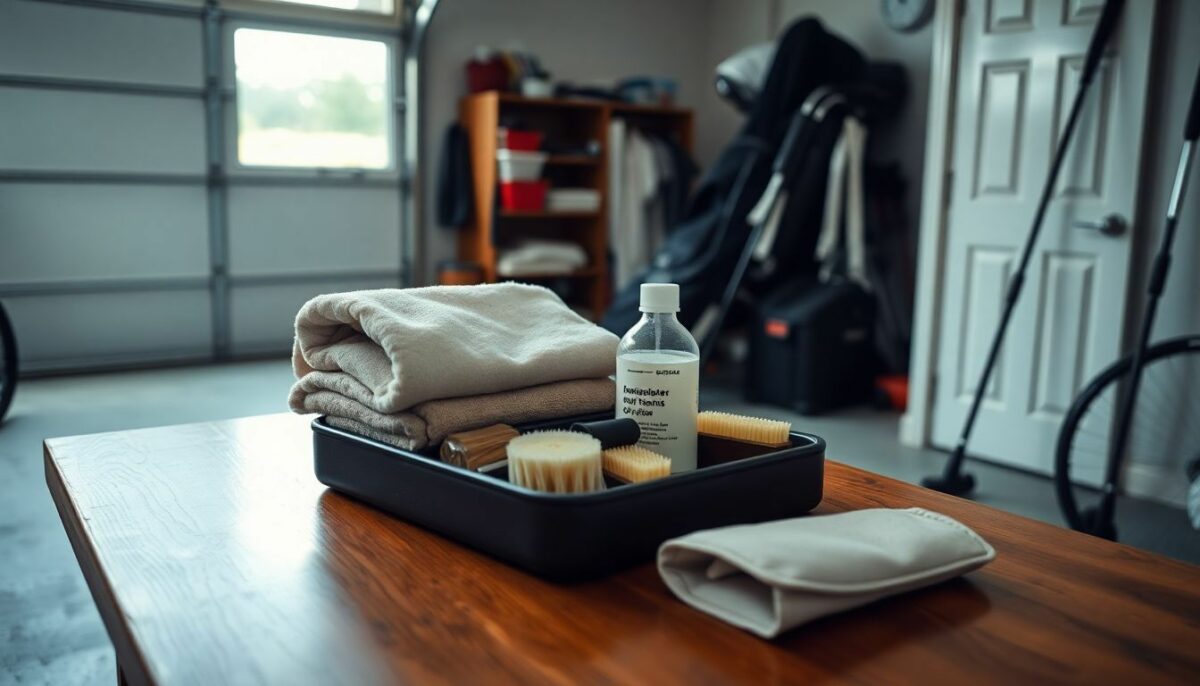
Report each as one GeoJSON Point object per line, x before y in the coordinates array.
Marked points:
{"type": "Point", "coordinates": [566, 123]}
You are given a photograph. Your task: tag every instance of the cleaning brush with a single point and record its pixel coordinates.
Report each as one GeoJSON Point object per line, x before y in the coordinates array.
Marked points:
{"type": "Point", "coordinates": [555, 462]}
{"type": "Point", "coordinates": [736, 427]}
{"type": "Point", "coordinates": [632, 463]}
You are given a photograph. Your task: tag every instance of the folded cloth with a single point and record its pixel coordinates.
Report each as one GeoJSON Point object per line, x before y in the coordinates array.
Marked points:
{"type": "Point", "coordinates": [768, 578]}
{"type": "Point", "coordinates": [552, 257]}
{"type": "Point", "coordinates": [401, 347]}
{"type": "Point", "coordinates": [431, 421]}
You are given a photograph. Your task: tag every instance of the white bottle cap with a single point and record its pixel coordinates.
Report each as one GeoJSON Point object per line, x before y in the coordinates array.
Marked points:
{"type": "Point", "coordinates": [660, 297]}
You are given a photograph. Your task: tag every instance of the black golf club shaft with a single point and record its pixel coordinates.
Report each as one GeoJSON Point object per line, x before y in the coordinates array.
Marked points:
{"type": "Point", "coordinates": [1154, 289]}
{"type": "Point", "coordinates": [1104, 29]}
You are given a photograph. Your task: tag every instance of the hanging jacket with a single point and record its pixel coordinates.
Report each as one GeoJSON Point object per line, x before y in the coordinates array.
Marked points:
{"type": "Point", "coordinates": [454, 200]}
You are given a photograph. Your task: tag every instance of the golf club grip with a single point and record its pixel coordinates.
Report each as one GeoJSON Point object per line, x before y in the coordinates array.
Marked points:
{"type": "Point", "coordinates": [1193, 120]}
{"type": "Point", "coordinates": [1109, 17]}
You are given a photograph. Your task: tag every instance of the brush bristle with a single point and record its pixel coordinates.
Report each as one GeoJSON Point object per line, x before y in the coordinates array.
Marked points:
{"type": "Point", "coordinates": [555, 462]}
{"type": "Point", "coordinates": [634, 463]}
{"type": "Point", "coordinates": [742, 428]}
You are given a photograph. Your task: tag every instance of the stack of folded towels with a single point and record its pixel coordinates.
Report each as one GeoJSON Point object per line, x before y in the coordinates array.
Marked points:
{"type": "Point", "coordinates": [543, 257]}
{"type": "Point", "coordinates": [410, 366]}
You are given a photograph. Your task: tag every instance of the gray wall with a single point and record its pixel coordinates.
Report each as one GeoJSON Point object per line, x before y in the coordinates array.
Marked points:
{"type": "Point", "coordinates": [577, 41]}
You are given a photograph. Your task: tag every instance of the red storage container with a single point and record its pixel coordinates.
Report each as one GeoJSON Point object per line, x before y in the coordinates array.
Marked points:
{"type": "Point", "coordinates": [523, 196]}
{"type": "Point", "coordinates": [514, 139]}
{"type": "Point", "coordinates": [490, 74]}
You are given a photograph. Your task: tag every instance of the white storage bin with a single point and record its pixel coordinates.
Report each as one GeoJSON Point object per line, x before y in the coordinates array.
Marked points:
{"type": "Point", "coordinates": [520, 166]}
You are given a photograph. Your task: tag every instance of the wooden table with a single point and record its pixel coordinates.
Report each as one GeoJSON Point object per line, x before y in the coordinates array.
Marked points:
{"type": "Point", "coordinates": [215, 557]}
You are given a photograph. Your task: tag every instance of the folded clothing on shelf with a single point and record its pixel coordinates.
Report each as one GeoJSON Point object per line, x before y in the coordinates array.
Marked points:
{"type": "Point", "coordinates": [541, 257]}
{"type": "Point", "coordinates": [573, 200]}
{"type": "Point", "coordinates": [429, 422]}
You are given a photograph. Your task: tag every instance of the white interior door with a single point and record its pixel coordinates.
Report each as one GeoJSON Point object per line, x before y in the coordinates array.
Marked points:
{"type": "Point", "coordinates": [1019, 63]}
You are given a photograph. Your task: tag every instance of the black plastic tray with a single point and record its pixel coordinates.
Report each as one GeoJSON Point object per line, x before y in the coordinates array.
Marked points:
{"type": "Point", "coordinates": [573, 537]}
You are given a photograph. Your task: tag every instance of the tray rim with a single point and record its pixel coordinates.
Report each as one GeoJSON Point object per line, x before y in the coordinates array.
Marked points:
{"type": "Point", "coordinates": [815, 448]}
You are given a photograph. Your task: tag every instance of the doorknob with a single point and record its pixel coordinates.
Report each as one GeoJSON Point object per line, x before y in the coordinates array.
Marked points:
{"type": "Point", "coordinates": [1112, 225]}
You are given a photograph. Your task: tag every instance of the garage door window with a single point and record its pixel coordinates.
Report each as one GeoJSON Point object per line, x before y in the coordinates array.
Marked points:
{"type": "Point", "coordinates": [373, 6]}
{"type": "Point", "coordinates": [306, 100]}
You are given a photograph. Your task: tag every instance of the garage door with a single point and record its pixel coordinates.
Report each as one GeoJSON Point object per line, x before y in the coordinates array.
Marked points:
{"type": "Point", "coordinates": [177, 178]}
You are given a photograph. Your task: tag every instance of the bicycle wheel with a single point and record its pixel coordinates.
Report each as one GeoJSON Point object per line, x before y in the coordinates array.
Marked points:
{"type": "Point", "coordinates": [1166, 422]}
{"type": "Point", "coordinates": [8, 362]}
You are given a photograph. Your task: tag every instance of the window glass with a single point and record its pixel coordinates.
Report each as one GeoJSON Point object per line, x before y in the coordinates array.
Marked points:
{"type": "Point", "coordinates": [311, 101]}
{"type": "Point", "coordinates": [376, 6]}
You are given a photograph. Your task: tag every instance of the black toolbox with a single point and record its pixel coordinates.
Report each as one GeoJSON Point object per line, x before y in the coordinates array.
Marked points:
{"type": "Point", "coordinates": [812, 347]}
{"type": "Point", "coordinates": [573, 537]}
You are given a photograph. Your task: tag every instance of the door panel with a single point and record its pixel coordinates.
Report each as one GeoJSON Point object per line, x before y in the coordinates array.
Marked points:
{"type": "Point", "coordinates": [988, 270]}
{"type": "Point", "coordinates": [1018, 73]}
{"type": "Point", "coordinates": [45, 39]}
{"type": "Point", "coordinates": [1009, 15]}
{"type": "Point", "coordinates": [998, 135]}
{"type": "Point", "coordinates": [75, 330]}
{"type": "Point", "coordinates": [58, 130]}
{"type": "Point", "coordinates": [313, 230]}
{"type": "Point", "coordinates": [263, 317]}
{"type": "Point", "coordinates": [101, 231]}
{"type": "Point", "coordinates": [1064, 328]}
{"type": "Point", "coordinates": [1083, 169]}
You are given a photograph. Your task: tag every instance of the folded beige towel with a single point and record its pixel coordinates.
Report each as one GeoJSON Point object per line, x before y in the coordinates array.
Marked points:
{"type": "Point", "coordinates": [397, 348]}
{"type": "Point", "coordinates": [431, 421]}
{"type": "Point", "coordinates": [770, 577]}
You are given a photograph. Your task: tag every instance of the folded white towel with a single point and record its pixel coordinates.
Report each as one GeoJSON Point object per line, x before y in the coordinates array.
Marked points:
{"type": "Point", "coordinates": [770, 577]}
{"type": "Point", "coordinates": [543, 257]}
{"type": "Point", "coordinates": [573, 199]}
{"type": "Point", "coordinates": [400, 347]}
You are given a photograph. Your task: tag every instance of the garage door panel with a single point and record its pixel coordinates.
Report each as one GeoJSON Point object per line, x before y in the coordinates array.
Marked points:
{"type": "Point", "coordinates": [73, 331]}
{"type": "Point", "coordinates": [263, 317]}
{"type": "Point", "coordinates": [56, 233]}
{"type": "Point", "coordinates": [313, 230]}
{"type": "Point", "coordinates": [49, 130]}
{"type": "Point", "coordinates": [69, 41]}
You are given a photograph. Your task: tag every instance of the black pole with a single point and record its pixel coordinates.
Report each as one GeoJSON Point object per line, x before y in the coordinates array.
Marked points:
{"type": "Point", "coordinates": [1100, 520]}
{"type": "Point", "coordinates": [953, 480]}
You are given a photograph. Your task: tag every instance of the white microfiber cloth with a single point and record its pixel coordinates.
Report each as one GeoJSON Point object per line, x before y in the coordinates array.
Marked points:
{"type": "Point", "coordinates": [768, 578]}
{"type": "Point", "coordinates": [401, 347]}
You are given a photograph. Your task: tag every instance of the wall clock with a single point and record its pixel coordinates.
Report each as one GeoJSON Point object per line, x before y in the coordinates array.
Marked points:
{"type": "Point", "coordinates": [906, 15]}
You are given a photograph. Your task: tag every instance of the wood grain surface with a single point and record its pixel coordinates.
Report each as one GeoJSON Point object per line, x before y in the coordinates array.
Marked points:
{"type": "Point", "coordinates": [216, 557]}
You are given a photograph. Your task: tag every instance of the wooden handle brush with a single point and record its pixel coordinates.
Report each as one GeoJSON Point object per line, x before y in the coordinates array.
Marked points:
{"type": "Point", "coordinates": [771, 433]}
{"type": "Point", "coordinates": [477, 448]}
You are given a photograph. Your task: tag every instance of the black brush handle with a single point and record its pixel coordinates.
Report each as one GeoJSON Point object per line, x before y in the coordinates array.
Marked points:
{"type": "Point", "coordinates": [611, 432]}
{"type": "Point", "coordinates": [1193, 121]}
{"type": "Point", "coordinates": [1110, 16]}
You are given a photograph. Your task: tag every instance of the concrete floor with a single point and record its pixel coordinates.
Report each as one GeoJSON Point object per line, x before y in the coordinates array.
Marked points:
{"type": "Point", "coordinates": [53, 635]}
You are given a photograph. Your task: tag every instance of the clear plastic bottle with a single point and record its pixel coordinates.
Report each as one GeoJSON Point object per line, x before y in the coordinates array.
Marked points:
{"type": "Point", "coordinates": [658, 377]}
